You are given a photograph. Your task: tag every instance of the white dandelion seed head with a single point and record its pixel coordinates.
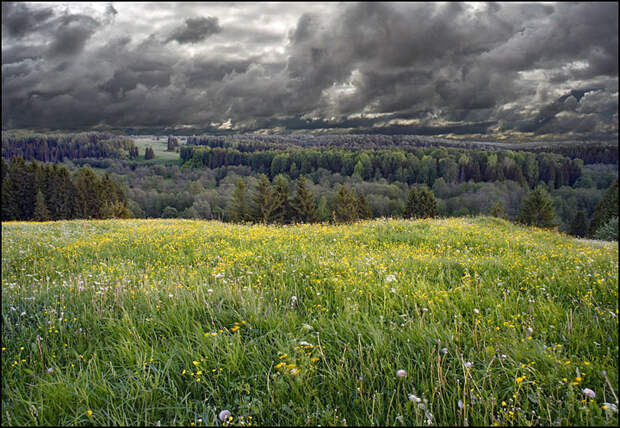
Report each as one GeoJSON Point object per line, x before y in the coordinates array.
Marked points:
{"type": "Point", "coordinates": [414, 399]}
{"type": "Point", "coordinates": [588, 392]}
{"type": "Point", "coordinates": [224, 415]}
{"type": "Point", "coordinates": [401, 373]}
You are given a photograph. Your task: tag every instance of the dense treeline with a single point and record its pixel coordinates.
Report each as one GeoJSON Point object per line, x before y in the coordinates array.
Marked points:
{"type": "Point", "coordinates": [58, 147]}
{"type": "Point", "coordinates": [35, 191]}
{"type": "Point", "coordinates": [421, 166]}
{"type": "Point", "coordinates": [588, 152]}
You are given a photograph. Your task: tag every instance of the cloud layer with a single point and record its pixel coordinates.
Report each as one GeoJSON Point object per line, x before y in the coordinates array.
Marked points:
{"type": "Point", "coordinates": [484, 70]}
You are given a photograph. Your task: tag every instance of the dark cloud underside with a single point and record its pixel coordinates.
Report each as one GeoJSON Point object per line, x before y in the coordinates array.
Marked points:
{"type": "Point", "coordinates": [500, 69]}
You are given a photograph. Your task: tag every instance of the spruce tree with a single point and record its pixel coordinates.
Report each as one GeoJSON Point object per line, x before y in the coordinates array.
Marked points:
{"type": "Point", "coordinates": [578, 226]}
{"type": "Point", "coordinates": [428, 207]}
{"type": "Point", "coordinates": [498, 210]}
{"type": "Point", "coordinates": [40, 209]}
{"type": "Point", "coordinates": [412, 203]}
{"type": "Point", "coordinates": [537, 209]}
{"type": "Point", "coordinates": [606, 208]}
{"type": "Point", "coordinates": [363, 207]}
{"type": "Point", "coordinates": [283, 212]}
{"type": "Point", "coordinates": [239, 207]}
{"type": "Point", "coordinates": [265, 201]}
{"type": "Point", "coordinates": [303, 203]}
{"type": "Point", "coordinates": [9, 206]}
{"type": "Point", "coordinates": [88, 198]}
{"type": "Point", "coordinates": [345, 205]}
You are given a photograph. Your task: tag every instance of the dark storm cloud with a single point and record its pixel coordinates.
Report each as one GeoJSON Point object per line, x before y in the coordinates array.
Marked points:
{"type": "Point", "coordinates": [195, 30]}
{"type": "Point", "coordinates": [446, 68]}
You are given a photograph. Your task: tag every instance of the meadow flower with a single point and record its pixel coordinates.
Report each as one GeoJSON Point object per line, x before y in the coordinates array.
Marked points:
{"type": "Point", "coordinates": [90, 412]}
{"type": "Point", "coordinates": [307, 327]}
{"type": "Point", "coordinates": [476, 311]}
{"type": "Point", "coordinates": [610, 406]}
{"type": "Point", "coordinates": [468, 364]}
{"type": "Point", "coordinates": [413, 398]}
{"type": "Point", "coordinates": [293, 301]}
{"type": "Point", "coordinates": [530, 330]}
{"type": "Point", "coordinates": [50, 370]}
{"type": "Point", "coordinates": [401, 373]}
{"type": "Point", "coordinates": [460, 404]}
{"type": "Point", "coordinates": [224, 415]}
{"type": "Point", "coordinates": [390, 278]}
{"type": "Point", "coordinates": [588, 392]}
{"type": "Point", "coordinates": [444, 350]}
{"type": "Point", "coordinates": [210, 290]}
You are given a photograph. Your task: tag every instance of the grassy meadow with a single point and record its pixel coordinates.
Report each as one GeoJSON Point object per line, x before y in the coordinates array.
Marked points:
{"type": "Point", "coordinates": [471, 321]}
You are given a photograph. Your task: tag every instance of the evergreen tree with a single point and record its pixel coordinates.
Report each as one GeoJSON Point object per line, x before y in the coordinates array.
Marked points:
{"type": "Point", "coordinates": [345, 205]}
{"type": "Point", "coordinates": [421, 203]}
{"type": "Point", "coordinates": [149, 153]}
{"type": "Point", "coordinates": [88, 197]}
{"type": "Point", "coordinates": [537, 209]}
{"type": "Point", "coordinates": [283, 212]}
{"type": "Point", "coordinates": [363, 207]}
{"type": "Point", "coordinates": [498, 210]}
{"type": "Point", "coordinates": [240, 209]}
{"type": "Point", "coordinates": [265, 201]}
{"type": "Point", "coordinates": [606, 208]}
{"type": "Point", "coordinates": [9, 206]}
{"type": "Point", "coordinates": [23, 187]}
{"type": "Point", "coordinates": [40, 209]}
{"type": "Point", "coordinates": [578, 226]}
{"type": "Point", "coordinates": [303, 203]}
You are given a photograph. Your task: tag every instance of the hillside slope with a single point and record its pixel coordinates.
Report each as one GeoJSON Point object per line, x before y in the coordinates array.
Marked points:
{"type": "Point", "coordinates": [172, 321]}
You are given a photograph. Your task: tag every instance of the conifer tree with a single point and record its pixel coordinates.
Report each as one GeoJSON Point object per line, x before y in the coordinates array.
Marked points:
{"type": "Point", "coordinates": [421, 203]}
{"type": "Point", "coordinates": [578, 226]}
{"type": "Point", "coordinates": [40, 209]}
{"type": "Point", "coordinates": [303, 203]}
{"type": "Point", "coordinates": [87, 186]}
{"type": "Point", "coordinates": [498, 210]}
{"type": "Point", "coordinates": [240, 209]}
{"type": "Point", "coordinates": [345, 205]}
{"type": "Point", "coordinates": [265, 201]}
{"type": "Point", "coordinates": [537, 209]}
{"type": "Point", "coordinates": [322, 212]}
{"type": "Point", "coordinates": [283, 212]}
{"type": "Point", "coordinates": [606, 208]}
{"type": "Point", "coordinates": [149, 153]}
{"type": "Point", "coordinates": [9, 207]}
{"type": "Point", "coordinates": [363, 207]}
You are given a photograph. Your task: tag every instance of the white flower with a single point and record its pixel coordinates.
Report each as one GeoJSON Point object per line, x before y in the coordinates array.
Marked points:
{"type": "Point", "coordinates": [476, 311]}
{"type": "Point", "coordinates": [468, 364]}
{"type": "Point", "coordinates": [304, 343]}
{"type": "Point", "coordinates": [224, 415]}
{"type": "Point", "coordinates": [390, 278]}
{"type": "Point", "coordinates": [530, 330]}
{"type": "Point", "coordinates": [393, 290]}
{"type": "Point", "coordinates": [293, 301]}
{"type": "Point", "coordinates": [460, 404]}
{"type": "Point", "coordinates": [611, 406]}
{"type": "Point", "coordinates": [50, 370]}
{"type": "Point", "coordinates": [401, 373]}
{"type": "Point", "coordinates": [425, 309]}
{"type": "Point", "coordinates": [414, 398]}
{"type": "Point", "coordinates": [588, 392]}
{"type": "Point", "coordinates": [444, 350]}
{"type": "Point", "coordinates": [307, 327]}
{"type": "Point", "coordinates": [210, 290]}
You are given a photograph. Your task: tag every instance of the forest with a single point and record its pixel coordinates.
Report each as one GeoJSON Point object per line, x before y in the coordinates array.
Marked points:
{"type": "Point", "coordinates": [257, 177]}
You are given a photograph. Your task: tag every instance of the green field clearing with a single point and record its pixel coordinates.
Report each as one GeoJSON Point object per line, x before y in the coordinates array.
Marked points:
{"type": "Point", "coordinates": [473, 321]}
{"type": "Point", "coordinates": [159, 147]}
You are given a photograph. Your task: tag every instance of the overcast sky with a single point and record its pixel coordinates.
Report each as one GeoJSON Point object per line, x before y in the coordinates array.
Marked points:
{"type": "Point", "coordinates": [500, 70]}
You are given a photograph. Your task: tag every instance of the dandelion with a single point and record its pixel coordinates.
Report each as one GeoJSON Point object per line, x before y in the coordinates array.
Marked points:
{"type": "Point", "coordinates": [90, 412]}
{"type": "Point", "coordinates": [414, 399]}
{"type": "Point", "coordinates": [588, 392]}
{"type": "Point", "coordinates": [224, 415]}
{"type": "Point", "coordinates": [520, 379]}
{"type": "Point", "coordinates": [401, 373]}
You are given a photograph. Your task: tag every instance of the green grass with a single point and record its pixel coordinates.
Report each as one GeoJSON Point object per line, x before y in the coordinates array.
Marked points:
{"type": "Point", "coordinates": [140, 321]}
{"type": "Point", "coordinates": [159, 148]}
